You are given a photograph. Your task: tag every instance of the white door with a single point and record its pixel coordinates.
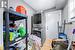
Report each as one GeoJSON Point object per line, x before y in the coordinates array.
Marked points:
{"type": "Point", "coordinates": [51, 24]}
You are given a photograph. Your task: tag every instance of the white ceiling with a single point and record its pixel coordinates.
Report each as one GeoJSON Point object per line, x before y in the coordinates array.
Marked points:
{"type": "Point", "coordinates": [45, 4]}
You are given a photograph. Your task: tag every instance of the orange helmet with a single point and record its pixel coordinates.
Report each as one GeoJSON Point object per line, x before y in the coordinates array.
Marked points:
{"type": "Point", "coordinates": [21, 9]}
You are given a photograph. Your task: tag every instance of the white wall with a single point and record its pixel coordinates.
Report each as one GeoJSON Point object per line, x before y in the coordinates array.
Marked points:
{"type": "Point", "coordinates": [30, 11]}
{"type": "Point", "coordinates": [1, 28]}
{"type": "Point", "coordinates": [43, 32]}
{"type": "Point", "coordinates": [65, 16]}
{"type": "Point", "coordinates": [65, 11]}
{"type": "Point", "coordinates": [69, 27]}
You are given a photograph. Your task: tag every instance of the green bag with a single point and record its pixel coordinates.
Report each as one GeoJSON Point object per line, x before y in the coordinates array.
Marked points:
{"type": "Point", "coordinates": [22, 30]}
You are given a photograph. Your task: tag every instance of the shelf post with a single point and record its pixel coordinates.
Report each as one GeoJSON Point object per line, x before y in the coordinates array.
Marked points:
{"type": "Point", "coordinates": [26, 36]}
{"type": "Point", "coordinates": [7, 30]}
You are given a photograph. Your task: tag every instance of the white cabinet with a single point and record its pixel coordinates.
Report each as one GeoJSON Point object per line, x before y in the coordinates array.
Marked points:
{"type": "Point", "coordinates": [51, 23]}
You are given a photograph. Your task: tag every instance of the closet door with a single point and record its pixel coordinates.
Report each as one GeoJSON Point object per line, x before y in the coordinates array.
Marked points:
{"type": "Point", "coordinates": [51, 23]}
